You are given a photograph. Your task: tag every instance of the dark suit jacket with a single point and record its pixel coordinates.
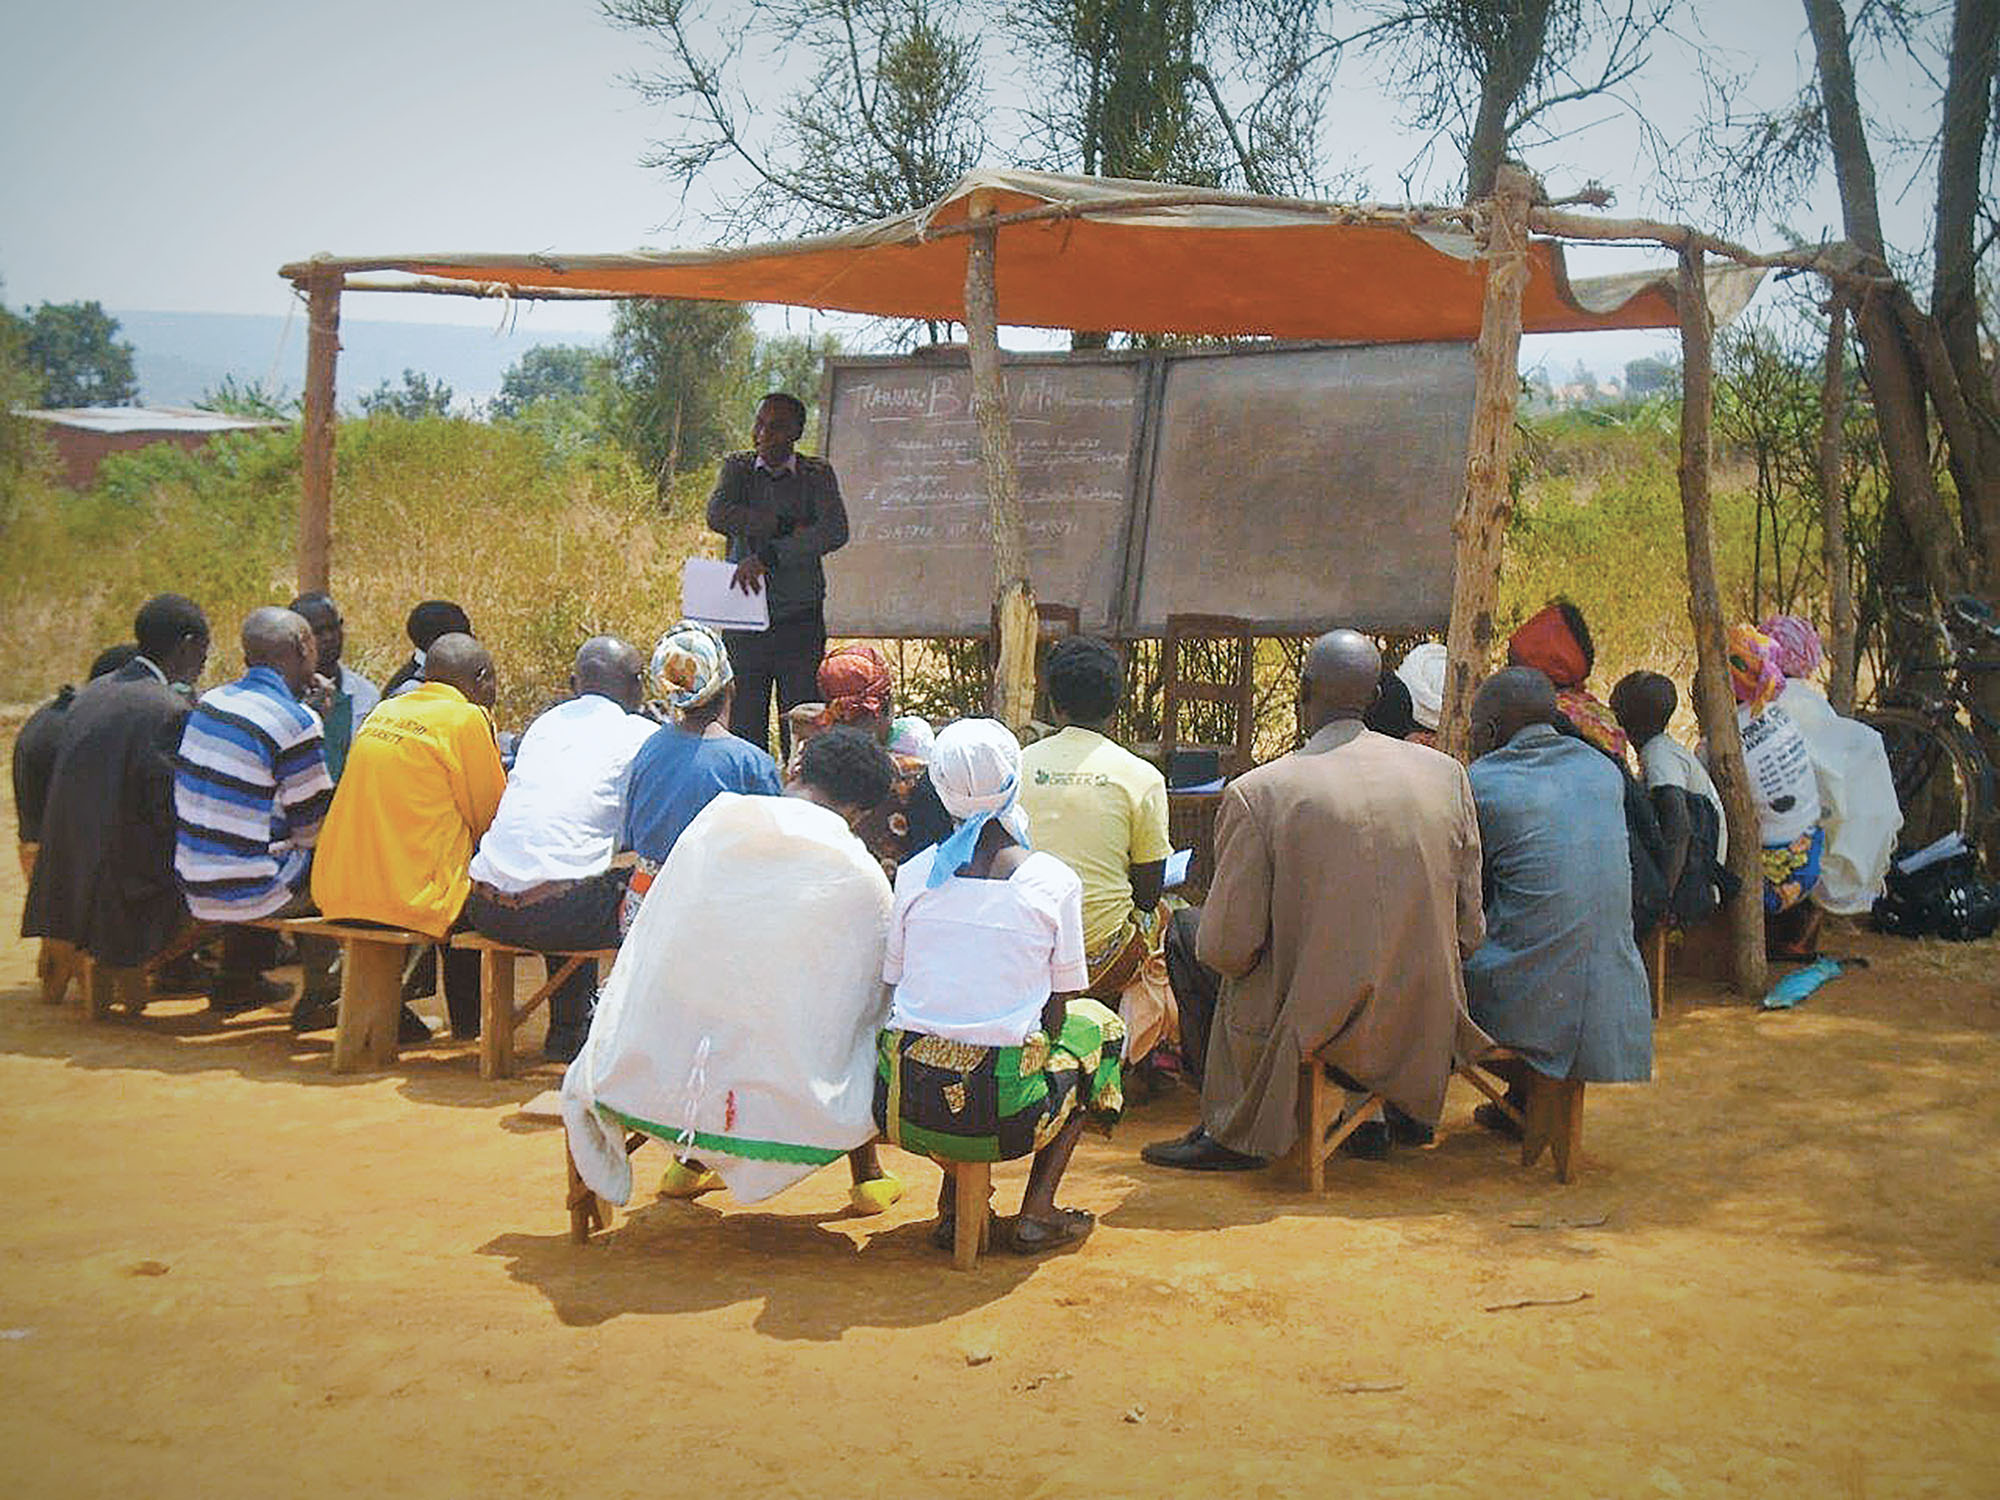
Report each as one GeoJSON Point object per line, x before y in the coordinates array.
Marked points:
{"type": "Point", "coordinates": [105, 877]}
{"type": "Point", "coordinates": [791, 521]}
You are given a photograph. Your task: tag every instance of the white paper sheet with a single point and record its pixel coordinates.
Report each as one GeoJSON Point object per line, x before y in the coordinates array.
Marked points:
{"type": "Point", "coordinates": [706, 596]}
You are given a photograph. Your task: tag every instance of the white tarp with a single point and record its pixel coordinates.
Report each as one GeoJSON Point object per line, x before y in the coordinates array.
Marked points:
{"type": "Point", "coordinates": [744, 1006]}
{"type": "Point", "coordinates": [1857, 795]}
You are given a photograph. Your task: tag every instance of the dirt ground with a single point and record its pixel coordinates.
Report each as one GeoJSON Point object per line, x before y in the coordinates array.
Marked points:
{"type": "Point", "coordinates": [225, 1272]}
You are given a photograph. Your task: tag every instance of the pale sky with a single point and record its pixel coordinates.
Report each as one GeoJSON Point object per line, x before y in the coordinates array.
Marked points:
{"type": "Point", "coordinates": [172, 157]}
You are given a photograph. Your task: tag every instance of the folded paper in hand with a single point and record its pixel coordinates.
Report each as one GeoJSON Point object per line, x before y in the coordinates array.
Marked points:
{"type": "Point", "coordinates": [707, 597]}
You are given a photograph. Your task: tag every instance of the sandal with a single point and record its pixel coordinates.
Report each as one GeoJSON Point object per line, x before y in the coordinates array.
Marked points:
{"type": "Point", "coordinates": [875, 1196]}
{"type": "Point", "coordinates": [944, 1231]}
{"type": "Point", "coordinates": [1071, 1226]}
{"type": "Point", "coordinates": [684, 1181]}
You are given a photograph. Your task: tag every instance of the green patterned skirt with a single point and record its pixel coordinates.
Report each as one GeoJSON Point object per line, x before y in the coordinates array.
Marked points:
{"type": "Point", "coordinates": [964, 1102]}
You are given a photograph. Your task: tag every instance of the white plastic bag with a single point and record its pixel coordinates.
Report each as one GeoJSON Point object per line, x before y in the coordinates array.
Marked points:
{"type": "Point", "coordinates": [1857, 795]}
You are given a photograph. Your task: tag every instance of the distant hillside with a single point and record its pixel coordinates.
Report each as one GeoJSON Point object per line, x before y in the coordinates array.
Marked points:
{"type": "Point", "coordinates": [180, 355]}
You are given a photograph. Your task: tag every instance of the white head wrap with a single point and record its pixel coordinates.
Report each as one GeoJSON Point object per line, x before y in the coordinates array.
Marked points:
{"type": "Point", "coordinates": [1422, 672]}
{"type": "Point", "coordinates": [976, 768]}
{"type": "Point", "coordinates": [912, 736]}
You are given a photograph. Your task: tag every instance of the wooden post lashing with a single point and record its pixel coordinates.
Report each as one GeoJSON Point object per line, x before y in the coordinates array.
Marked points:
{"type": "Point", "coordinates": [1480, 528]}
{"type": "Point", "coordinates": [1833, 511]}
{"type": "Point", "coordinates": [316, 442]}
{"type": "Point", "coordinates": [1013, 697]}
{"type": "Point", "coordinates": [1715, 703]}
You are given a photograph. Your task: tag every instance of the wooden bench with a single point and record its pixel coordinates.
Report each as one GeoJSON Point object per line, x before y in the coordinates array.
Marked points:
{"type": "Point", "coordinates": [104, 986]}
{"type": "Point", "coordinates": [1552, 1122]}
{"type": "Point", "coordinates": [371, 988]}
{"type": "Point", "coordinates": [498, 1014]}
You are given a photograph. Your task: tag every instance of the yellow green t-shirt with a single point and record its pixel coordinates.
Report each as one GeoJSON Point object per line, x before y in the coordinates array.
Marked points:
{"type": "Point", "coordinates": [1099, 809]}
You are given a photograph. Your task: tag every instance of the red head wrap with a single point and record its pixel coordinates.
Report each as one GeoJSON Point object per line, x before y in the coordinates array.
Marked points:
{"type": "Point", "coordinates": [855, 682]}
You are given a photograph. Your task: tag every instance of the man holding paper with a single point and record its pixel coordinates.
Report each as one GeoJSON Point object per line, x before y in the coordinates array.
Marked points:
{"type": "Point", "coordinates": [782, 513]}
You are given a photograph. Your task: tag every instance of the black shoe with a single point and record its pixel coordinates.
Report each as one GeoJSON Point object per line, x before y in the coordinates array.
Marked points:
{"type": "Point", "coordinates": [186, 975]}
{"type": "Point", "coordinates": [1405, 1131]}
{"type": "Point", "coordinates": [315, 1013]}
{"type": "Point", "coordinates": [1369, 1142]}
{"type": "Point", "coordinates": [1497, 1120]}
{"type": "Point", "coordinates": [412, 1029]}
{"type": "Point", "coordinates": [1198, 1151]}
{"type": "Point", "coordinates": [234, 996]}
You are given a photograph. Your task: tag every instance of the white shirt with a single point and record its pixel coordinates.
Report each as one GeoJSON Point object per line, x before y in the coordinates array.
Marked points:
{"type": "Point", "coordinates": [362, 693]}
{"type": "Point", "coordinates": [1665, 761]}
{"type": "Point", "coordinates": [564, 806]}
{"type": "Point", "coordinates": [976, 960]}
{"type": "Point", "coordinates": [1781, 775]}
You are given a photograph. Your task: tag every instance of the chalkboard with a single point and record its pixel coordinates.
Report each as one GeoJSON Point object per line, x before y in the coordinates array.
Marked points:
{"type": "Point", "coordinates": [1297, 486]}
{"type": "Point", "coordinates": [1303, 488]}
{"type": "Point", "coordinates": [919, 559]}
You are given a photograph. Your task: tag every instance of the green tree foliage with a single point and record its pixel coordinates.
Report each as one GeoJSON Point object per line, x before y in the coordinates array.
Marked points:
{"type": "Point", "coordinates": [1649, 377]}
{"type": "Point", "coordinates": [21, 446]}
{"type": "Point", "coordinates": [73, 349]}
{"type": "Point", "coordinates": [680, 372]}
{"type": "Point", "coordinates": [249, 398]}
{"type": "Point", "coordinates": [418, 396]}
{"type": "Point", "coordinates": [549, 372]}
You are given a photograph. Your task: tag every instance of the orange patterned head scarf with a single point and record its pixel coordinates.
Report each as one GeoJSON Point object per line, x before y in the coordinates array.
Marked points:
{"type": "Point", "coordinates": [1547, 644]}
{"type": "Point", "coordinates": [855, 682]}
{"type": "Point", "coordinates": [1753, 666]}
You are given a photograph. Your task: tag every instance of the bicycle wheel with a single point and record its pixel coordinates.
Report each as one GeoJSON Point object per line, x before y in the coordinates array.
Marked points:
{"type": "Point", "coordinates": [1940, 775]}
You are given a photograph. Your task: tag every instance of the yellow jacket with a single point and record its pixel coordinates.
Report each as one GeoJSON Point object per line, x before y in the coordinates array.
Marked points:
{"type": "Point", "coordinates": [422, 781]}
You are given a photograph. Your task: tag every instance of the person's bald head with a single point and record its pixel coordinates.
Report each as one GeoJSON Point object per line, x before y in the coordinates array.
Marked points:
{"type": "Point", "coordinates": [457, 660]}
{"type": "Point", "coordinates": [1342, 674]}
{"type": "Point", "coordinates": [612, 669]}
{"type": "Point", "coordinates": [283, 641]}
{"type": "Point", "coordinates": [1508, 702]}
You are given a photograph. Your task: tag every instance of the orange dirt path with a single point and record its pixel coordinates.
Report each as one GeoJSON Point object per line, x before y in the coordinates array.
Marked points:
{"type": "Point", "coordinates": [228, 1273]}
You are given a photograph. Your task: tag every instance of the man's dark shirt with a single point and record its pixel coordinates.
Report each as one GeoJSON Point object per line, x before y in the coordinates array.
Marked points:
{"type": "Point", "coordinates": [35, 763]}
{"type": "Point", "coordinates": [789, 519]}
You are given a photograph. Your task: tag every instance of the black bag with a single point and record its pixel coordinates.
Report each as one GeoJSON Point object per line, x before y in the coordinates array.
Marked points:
{"type": "Point", "coordinates": [1648, 849]}
{"type": "Point", "coordinates": [1705, 883]}
{"type": "Point", "coordinates": [1945, 899]}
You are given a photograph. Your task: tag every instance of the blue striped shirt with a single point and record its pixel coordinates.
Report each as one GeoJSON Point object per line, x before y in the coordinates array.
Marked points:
{"type": "Point", "coordinates": [250, 792]}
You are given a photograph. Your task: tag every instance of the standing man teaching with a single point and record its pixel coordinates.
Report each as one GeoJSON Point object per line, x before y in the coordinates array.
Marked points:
{"type": "Point", "coordinates": [782, 513]}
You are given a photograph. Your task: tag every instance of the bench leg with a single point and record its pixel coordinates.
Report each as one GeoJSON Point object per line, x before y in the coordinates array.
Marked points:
{"type": "Point", "coordinates": [971, 1192]}
{"type": "Point", "coordinates": [1554, 1122]}
{"type": "Point", "coordinates": [371, 1005]}
{"type": "Point", "coordinates": [496, 1014]}
{"type": "Point", "coordinates": [55, 965]}
{"type": "Point", "coordinates": [1316, 1114]}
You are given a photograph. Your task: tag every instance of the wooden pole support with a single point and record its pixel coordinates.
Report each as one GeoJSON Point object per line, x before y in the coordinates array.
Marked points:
{"type": "Point", "coordinates": [316, 445]}
{"type": "Point", "coordinates": [1480, 528]}
{"type": "Point", "coordinates": [496, 1014]}
{"type": "Point", "coordinates": [1715, 703]}
{"type": "Point", "coordinates": [1013, 695]}
{"type": "Point", "coordinates": [1833, 510]}
{"type": "Point", "coordinates": [371, 1005]}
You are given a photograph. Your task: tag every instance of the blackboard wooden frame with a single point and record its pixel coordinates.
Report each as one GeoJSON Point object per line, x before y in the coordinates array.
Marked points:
{"type": "Point", "coordinates": [1119, 617]}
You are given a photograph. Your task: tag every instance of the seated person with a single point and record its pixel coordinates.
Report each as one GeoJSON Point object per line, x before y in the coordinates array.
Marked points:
{"type": "Point", "coordinates": [1557, 644]}
{"type": "Point", "coordinates": [542, 876]}
{"type": "Point", "coordinates": [990, 1054]}
{"type": "Point", "coordinates": [1558, 978]}
{"type": "Point", "coordinates": [1346, 891]}
{"type": "Point", "coordinates": [856, 689]}
{"type": "Point", "coordinates": [250, 793]}
{"type": "Point", "coordinates": [1693, 831]}
{"type": "Point", "coordinates": [1422, 672]}
{"type": "Point", "coordinates": [1785, 791]}
{"type": "Point", "coordinates": [35, 754]}
{"type": "Point", "coordinates": [422, 784]}
{"type": "Point", "coordinates": [104, 878]}
{"type": "Point", "coordinates": [1859, 811]}
{"type": "Point", "coordinates": [428, 621]}
{"type": "Point", "coordinates": [1391, 713]}
{"type": "Point", "coordinates": [686, 763]}
{"type": "Point", "coordinates": [343, 698]}
{"type": "Point", "coordinates": [1103, 812]}
{"type": "Point", "coordinates": [739, 1022]}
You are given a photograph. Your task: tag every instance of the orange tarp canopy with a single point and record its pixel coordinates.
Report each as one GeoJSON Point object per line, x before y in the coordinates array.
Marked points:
{"type": "Point", "coordinates": [1116, 255]}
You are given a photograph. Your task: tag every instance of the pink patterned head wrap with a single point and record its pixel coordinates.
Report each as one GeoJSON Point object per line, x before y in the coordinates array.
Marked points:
{"type": "Point", "coordinates": [1799, 648]}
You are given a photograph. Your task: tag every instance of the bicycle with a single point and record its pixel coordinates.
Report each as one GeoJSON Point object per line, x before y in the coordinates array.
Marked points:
{"type": "Point", "coordinates": [1945, 781]}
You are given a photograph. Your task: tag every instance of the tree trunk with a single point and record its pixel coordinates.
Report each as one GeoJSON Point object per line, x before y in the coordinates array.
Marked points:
{"type": "Point", "coordinates": [1833, 511]}
{"type": "Point", "coordinates": [1013, 696]}
{"type": "Point", "coordinates": [1894, 373]}
{"type": "Point", "coordinates": [1480, 528]}
{"type": "Point", "coordinates": [1968, 95]}
{"type": "Point", "coordinates": [1715, 704]}
{"type": "Point", "coordinates": [316, 438]}
{"type": "Point", "coordinates": [1505, 77]}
